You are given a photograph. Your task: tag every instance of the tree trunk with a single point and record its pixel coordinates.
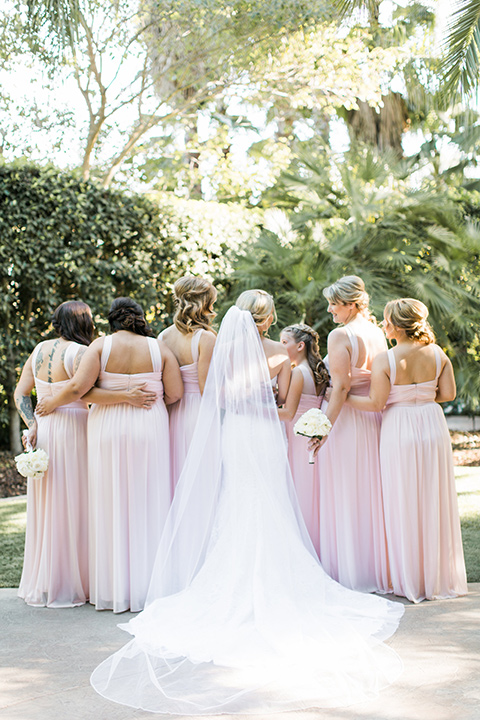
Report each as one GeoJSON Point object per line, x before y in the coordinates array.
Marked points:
{"type": "Point", "coordinates": [15, 441]}
{"type": "Point", "coordinates": [382, 129]}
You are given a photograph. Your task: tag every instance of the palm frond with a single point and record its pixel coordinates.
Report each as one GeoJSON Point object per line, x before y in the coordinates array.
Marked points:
{"type": "Point", "coordinates": [61, 16]}
{"type": "Point", "coordinates": [461, 65]}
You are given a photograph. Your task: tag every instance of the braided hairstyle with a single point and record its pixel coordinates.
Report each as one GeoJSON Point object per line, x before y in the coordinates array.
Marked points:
{"type": "Point", "coordinates": [194, 297]}
{"type": "Point", "coordinates": [410, 315]}
{"type": "Point", "coordinates": [126, 314]}
{"type": "Point", "coordinates": [307, 335]}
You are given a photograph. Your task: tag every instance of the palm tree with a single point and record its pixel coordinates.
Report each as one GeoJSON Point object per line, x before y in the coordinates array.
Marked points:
{"type": "Point", "coordinates": [460, 68]}
{"type": "Point", "coordinates": [461, 65]}
{"type": "Point", "coordinates": [60, 16]}
{"type": "Point", "coordinates": [356, 216]}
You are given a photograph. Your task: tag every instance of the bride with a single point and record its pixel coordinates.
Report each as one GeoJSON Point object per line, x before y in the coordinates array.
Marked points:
{"type": "Point", "coordinates": [240, 616]}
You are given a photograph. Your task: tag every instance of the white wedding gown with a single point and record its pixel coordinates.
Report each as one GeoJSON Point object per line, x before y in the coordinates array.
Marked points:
{"type": "Point", "coordinates": [241, 617]}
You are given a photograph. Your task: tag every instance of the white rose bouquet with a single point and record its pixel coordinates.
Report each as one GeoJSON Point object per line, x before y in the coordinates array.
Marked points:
{"type": "Point", "coordinates": [32, 464]}
{"type": "Point", "coordinates": [312, 424]}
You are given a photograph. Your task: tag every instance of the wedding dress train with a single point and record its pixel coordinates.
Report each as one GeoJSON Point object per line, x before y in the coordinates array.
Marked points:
{"type": "Point", "coordinates": [240, 616]}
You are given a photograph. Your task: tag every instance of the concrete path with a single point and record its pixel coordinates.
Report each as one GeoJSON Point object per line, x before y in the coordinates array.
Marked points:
{"type": "Point", "coordinates": [46, 657]}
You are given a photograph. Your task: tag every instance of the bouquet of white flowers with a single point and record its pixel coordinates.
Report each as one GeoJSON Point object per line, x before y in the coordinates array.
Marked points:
{"type": "Point", "coordinates": [32, 464]}
{"type": "Point", "coordinates": [312, 424]}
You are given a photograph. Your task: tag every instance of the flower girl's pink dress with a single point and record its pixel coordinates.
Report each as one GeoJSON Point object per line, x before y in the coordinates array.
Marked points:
{"type": "Point", "coordinates": [352, 530]}
{"type": "Point", "coordinates": [305, 476]}
{"type": "Point", "coordinates": [55, 569]}
{"type": "Point", "coordinates": [421, 510]}
{"type": "Point", "coordinates": [184, 413]}
{"type": "Point", "coordinates": [129, 485]}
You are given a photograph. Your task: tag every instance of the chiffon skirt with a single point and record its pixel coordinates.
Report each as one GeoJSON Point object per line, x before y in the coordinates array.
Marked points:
{"type": "Point", "coordinates": [353, 547]}
{"type": "Point", "coordinates": [421, 509]}
{"type": "Point", "coordinates": [261, 627]}
{"type": "Point", "coordinates": [129, 480]}
{"type": "Point", "coordinates": [183, 418]}
{"type": "Point", "coordinates": [55, 569]}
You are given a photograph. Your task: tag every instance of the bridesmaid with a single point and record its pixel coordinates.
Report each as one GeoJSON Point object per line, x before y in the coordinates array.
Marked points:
{"type": "Point", "coordinates": [307, 388]}
{"type": "Point", "coordinates": [191, 340]}
{"type": "Point", "coordinates": [352, 529]}
{"type": "Point", "coordinates": [55, 569]}
{"type": "Point", "coordinates": [129, 468]}
{"type": "Point", "coordinates": [421, 511]}
{"type": "Point", "coordinates": [261, 306]}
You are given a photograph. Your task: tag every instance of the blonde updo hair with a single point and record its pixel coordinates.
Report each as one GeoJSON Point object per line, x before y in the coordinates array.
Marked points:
{"type": "Point", "coordinates": [259, 303]}
{"type": "Point", "coordinates": [410, 315]}
{"type": "Point", "coordinates": [194, 297]}
{"type": "Point", "coordinates": [349, 289]}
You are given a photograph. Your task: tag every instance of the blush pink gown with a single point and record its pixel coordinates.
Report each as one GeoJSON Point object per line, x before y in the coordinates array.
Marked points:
{"type": "Point", "coordinates": [353, 548]}
{"type": "Point", "coordinates": [129, 484]}
{"type": "Point", "coordinates": [184, 413]}
{"type": "Point", "coordinates": [305, 477]}
{"type": "Point", "coordinates": [421, 510]}
{"type": "Point", "coordinates": [55, 568]}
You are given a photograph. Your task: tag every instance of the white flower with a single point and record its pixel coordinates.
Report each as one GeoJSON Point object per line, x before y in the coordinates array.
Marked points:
{"type": "Point", "coordinates": [32, 464]}
{"type": "Point", "coordinates": [313, 423]}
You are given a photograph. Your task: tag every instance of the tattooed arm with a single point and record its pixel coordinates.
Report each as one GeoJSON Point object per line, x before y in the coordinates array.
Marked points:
{"type": "Point", "coordinates": [23, 400]}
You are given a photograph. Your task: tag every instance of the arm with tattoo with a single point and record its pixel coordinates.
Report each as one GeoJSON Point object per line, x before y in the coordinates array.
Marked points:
{"type": "Point", "coordinates": [23, 401]}
{"type": "Point", "coordinates": [25, 409]}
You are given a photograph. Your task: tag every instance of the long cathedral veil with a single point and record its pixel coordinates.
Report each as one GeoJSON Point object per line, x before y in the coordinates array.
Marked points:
{"type": "Point", "coordinates": [238, 386]}
{"type": "Point", "coordinates": [240, 616]}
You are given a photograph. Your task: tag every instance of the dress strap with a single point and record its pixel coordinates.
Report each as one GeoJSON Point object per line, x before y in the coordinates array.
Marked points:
{"type": "Point", "coordinates": [354, 343]}
{"type": "Point", "coordinates": [34, 357]}
{"type": "Point", "coordinates": [195, 343]}
{"type": "Point", "coordinates": [155, 354]}
{"type": "Point", "coordinates": [393, 366]}
{"type": "Point", "coordinates": [106, 350]}
{"type": "Point", "coordinates": [69, 358]}
{"type": "Point", "coordinates": [438, 361]}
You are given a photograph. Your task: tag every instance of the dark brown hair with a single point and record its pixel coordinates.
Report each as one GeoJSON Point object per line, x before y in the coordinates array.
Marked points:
{"type": "Point", "coordinates": [126, 314]}
{"type": "Point", "coordinates": [72, 320]}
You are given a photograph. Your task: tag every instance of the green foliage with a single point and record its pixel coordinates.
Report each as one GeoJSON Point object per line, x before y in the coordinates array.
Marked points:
{"type": "Point", "coordinates": [63, 238]}
{"type": "Point", "coordinates": [12, 541]}
{"type": "Point", "coordinates": [356, 216]}
{"type": "Point", "coordinates": [461, 65]}
{"type": "Point", "coordinates": [205, 239]}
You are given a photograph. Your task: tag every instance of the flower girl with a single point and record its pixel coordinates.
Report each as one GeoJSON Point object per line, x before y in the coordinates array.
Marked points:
{"type": "Point", "coordinates": [307, 388]}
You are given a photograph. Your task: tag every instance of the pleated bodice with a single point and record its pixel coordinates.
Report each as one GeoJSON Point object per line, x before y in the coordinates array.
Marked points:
{"type": "Point", "coordinates": [125, 381]}
{"type": "Point", "coordinates": [412, 393]}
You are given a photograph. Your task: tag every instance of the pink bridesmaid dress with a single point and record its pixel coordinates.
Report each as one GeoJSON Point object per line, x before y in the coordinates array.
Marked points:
{"type": "Point", "coordinates": [421, 510]}
{"type": "Point", "coordinates": [184, 413]}
{"type": "Point", "coordinates": [55, 568]}
{"type": "Point", "coordinates": [305, 477]}
{"type": "Point", "coordinates": [129, 486]}
{"type": "Point", "coordinates": [353, 548]}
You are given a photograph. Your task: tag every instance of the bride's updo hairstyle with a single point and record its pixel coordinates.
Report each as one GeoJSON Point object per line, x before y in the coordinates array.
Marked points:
{"type": "Point", "coordinates": [259, 303]}
{"type": "Point", "coordinates": [194, 297]}
{"type": "Point", "coordinates": [72, 320]}
{"type": "Point", "coordinates": [126, 314]}
{"type": "Point", "coordinates": [410, 315]}
{"type": "Point", "coordinates": [307, 335]}
{"type": "Point", "coordinates": [349, 289]}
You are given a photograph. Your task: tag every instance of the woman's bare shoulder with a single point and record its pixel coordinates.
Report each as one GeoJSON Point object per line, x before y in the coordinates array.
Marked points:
{"type": "Point", "coordinates": [273, 347]}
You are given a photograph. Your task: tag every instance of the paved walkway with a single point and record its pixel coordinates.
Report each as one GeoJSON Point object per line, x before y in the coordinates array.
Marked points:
{"type": "Point", "coordinates": [46, 657]}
